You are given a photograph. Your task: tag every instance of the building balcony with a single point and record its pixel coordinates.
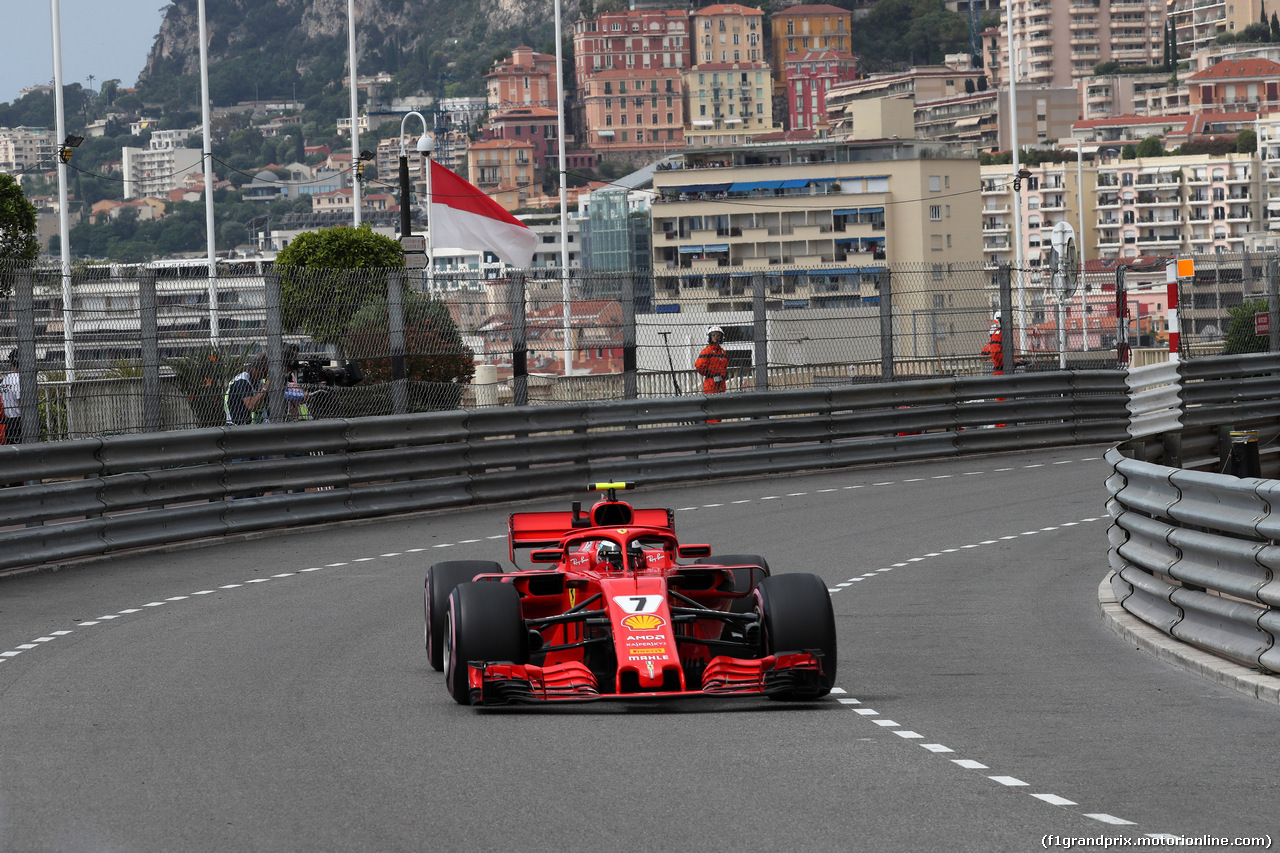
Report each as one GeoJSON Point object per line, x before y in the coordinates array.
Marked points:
{"type": "Point", "coordinates": [994, 229]}
{"type": "Point", "coordinates": [995, 209]}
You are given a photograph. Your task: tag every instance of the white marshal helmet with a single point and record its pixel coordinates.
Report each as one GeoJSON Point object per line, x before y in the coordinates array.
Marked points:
{"type": "Point", "coordinates": [712, 330]}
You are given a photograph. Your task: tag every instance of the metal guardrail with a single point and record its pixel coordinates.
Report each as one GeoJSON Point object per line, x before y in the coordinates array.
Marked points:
{"type": "Point", "coordinates": [1193, 550]}
{"type": "Point", "coordinates": [98, 496]}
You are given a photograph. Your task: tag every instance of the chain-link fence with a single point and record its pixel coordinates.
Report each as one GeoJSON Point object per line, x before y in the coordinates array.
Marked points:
{"type": "Point", "coordinates": [115, 349]}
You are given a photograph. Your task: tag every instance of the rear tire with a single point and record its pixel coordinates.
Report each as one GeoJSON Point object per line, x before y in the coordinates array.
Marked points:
{"type": "Point", "coordinates": [441, 580]}
{"type": "Point", "coordinates": [797, 616]}
{"type": "Point", "coordinates": [740, 578]}
{"type": "Point", "coordinates": [483, 622]}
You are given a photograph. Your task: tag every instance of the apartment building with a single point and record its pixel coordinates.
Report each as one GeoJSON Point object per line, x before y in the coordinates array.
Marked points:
{"type": "Point", "coordinates": [823, 216]}
{"type": "Point", "coordinates": [631, 40]}
{"type": "Point", "coordinates": [1130, 32]}
{"type": "Point", "coordinates": [809, 76]}
{"type": "Point", "coordinates": [807, 27]}
{"type": "Point", "coordinates": [1197, 23]}
{"type": "Point", "coordinates": [503, 170]}
{"type": "Point", "coordinates": [1200, 204]}
{"type": "Point", "coordinates": [1053, 193]}
{"type": "Point", "coordinates": [1268, 130]}
{"type": "Point", "coordinates": [155, 170]}
{"type": "Point", "coordinates": [526, 79]}
{"type": "Point", "coordinates": [922, 82]}
{"type": "Point", "coordinates": [728, 33]}
{"type": "Point", "coordinates": [1112, 134]}
{"type": "Point", "coordinates": [1234, 85]}
{"type": "Point", "coordinates": [27, 149]}
{"type": "Point", "coordinates": [536, 125]}
{"type": "Point", "coordinates": [639, 109]}
{"type": "Point", "coordinates": [728, 102]}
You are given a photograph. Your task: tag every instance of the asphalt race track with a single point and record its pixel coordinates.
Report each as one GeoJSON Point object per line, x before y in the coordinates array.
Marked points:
{"type": "Point", "coordinates": [274, 695]}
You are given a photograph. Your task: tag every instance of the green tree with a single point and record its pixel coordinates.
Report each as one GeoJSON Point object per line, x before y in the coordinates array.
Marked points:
{"type": "Point", "coordinates": [1128, 152]}
{"type": "Point", "coordinates": [434, 351]}
{"type": "Point", "coordinates": [1246, 142]}
{"type": "Point", "coordinates": [319, 291]}
{"type": "Point", "coordinates": [1254, 33]}
{"type": "Point", "coordinates": [1240, 336]}
{"type": "Point", "coordinates": [17, 223]}
{"type": "Point", "coordinates": [1152, 146]}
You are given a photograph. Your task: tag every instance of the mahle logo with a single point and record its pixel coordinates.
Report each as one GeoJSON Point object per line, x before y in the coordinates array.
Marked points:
{"type": "Point", "coordinates": [643, 622]}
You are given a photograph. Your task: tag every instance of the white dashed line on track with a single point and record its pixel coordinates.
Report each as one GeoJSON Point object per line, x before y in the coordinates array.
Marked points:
{"type": "Point", "coordinates": [845, 584]}
{"type": "Point", "coordinates": [1011, 782]}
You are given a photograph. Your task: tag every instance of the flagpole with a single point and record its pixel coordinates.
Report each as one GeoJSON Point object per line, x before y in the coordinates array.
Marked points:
{"type": "Point", "coordinates": [64, 221]}
{"type": "Point", "coordinates": [355, 105]}
{"type": "Point", "coordinates": [564, 205]}
{"type": "Point", "coordinates": [207, 158]}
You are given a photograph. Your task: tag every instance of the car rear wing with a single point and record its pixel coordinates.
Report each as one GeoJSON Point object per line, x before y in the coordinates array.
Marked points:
{"type": "Point", "coordinates": [546, 529]}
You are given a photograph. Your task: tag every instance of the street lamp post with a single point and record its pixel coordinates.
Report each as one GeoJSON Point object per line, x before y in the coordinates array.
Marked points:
{"type": "Point", "coordinates": [424, 147]}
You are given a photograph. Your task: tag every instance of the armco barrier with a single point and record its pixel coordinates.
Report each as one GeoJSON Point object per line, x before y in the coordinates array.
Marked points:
{"type": "Point", "coordinates": [98, 496]}
{"type": "Point", "coordinates": [1192, 549]}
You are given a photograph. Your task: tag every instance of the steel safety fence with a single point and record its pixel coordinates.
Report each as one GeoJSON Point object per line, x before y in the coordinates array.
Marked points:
{"type": "Point", "coordinates": [1194, 524]}
{"type": "Point", "coordinates": [94, 496]}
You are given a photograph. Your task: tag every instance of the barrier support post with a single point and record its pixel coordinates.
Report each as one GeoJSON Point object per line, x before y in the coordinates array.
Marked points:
{"type": "Point", "coordinates": [149, 338]}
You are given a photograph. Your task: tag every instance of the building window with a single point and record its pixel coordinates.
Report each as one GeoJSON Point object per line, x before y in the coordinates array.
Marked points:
{"type": "Point", "coordinates": [935, 212]}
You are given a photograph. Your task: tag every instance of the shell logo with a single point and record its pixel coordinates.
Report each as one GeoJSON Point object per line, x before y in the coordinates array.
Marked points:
{"type": "Point", "coordinates": [643, 622]}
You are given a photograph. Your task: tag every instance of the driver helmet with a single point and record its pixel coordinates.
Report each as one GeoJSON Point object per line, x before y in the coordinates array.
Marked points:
{"type": "Point", "coordinates": [609, 552]}
{"type": "Point", "coordinates": [715, 330]}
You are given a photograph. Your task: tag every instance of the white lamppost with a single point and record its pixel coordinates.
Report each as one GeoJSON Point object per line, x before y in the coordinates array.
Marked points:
{"type": "Point", "coordinates": [564, 216]}
{"type": "Point", "coordinates": [424, 147]}
{"type": "Point", "coordinates": [1017, 167]}
{"type": "Point", "coordinates": [207, 159]}
{"type": "Point", "coordinates": [64, 222]}
{"type": "Point", "coordinates": [355, 104]}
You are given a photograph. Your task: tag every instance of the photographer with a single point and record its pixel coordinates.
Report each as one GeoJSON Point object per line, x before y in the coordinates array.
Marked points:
{"type": "Point", "coordinates": [294, 396]}
{"type": "Point", "coordinates": [246, 394]}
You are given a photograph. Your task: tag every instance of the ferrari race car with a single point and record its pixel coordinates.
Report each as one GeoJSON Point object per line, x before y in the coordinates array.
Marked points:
{"type": "Point", "coordinates": [614, 615]}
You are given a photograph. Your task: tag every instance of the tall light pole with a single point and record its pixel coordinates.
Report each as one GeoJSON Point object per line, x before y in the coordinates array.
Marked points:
{"type": "Point", "coordinates": [355, 104]}
{"type": "Point", "coordinates": [424, 148]}
{"type": "Point", "coordinates": [564, 206]}
{"type": "Point", "coordinates": [64, 222]}
{"type": "Point", "coordinates": [207, 158]}
{"type": "Point", "coordinates": [1017, 167]}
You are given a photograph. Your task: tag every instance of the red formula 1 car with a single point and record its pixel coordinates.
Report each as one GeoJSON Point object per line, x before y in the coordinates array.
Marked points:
{"type": "Point", "coordinates": [614, 615]}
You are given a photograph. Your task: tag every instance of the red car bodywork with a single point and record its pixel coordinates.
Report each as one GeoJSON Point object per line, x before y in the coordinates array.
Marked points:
{"type": "Point", "coordinates": [627, 620]}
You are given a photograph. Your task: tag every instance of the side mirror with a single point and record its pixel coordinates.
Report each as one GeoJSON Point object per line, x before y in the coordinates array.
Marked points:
{"type": "Point", "coordinates": [550, 555]}
{"type": "Point", "coordinates": [690, 551]}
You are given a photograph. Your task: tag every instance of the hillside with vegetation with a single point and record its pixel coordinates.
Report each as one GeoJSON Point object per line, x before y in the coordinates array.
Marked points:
{"type": "Point", "coordinates": [296, 51]}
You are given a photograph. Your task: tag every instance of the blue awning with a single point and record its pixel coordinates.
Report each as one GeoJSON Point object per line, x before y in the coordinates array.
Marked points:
{"type": "Point", "coordinates": [690, 250]}
{"type": "Point", "coordinates": [794, 183]}
{"type": "Point", "coordinates": [845, 211]}
{"type": "Point", "coordinates": [839, 271]}
{"type": "Point", "coordinates": [718, 247]}
{"type": "Point", "coordinates": [747, 186]}
{"type": "Point", "coordinates": [846, 239]}
{"type": "Point", "coordinates": [871, 210]}
{"type": "Point", "coordinates": [666, 309]}
{"type": "Point", "coordinates": [823, 180]}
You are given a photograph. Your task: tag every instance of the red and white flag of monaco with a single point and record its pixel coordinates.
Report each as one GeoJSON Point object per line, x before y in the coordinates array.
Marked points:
{"type": "Point", "coordinates": [462, 217]}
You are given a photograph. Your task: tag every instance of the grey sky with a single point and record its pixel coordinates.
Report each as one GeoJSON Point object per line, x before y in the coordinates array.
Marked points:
{"type": "Point", "coordinates": [105, 38]}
